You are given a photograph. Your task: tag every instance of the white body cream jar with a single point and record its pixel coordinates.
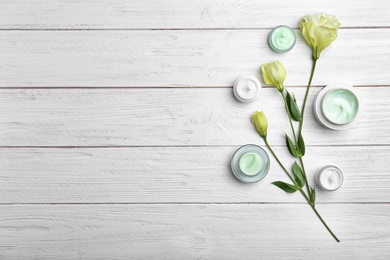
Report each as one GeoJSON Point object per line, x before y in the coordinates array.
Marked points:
{"type": "Point", "coordinates": [247, 89]}
{"type": "Point", "coordinates": [329, 178]}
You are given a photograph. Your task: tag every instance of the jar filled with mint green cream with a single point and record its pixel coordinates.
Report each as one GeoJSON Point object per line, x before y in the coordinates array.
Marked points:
{"type": "Point", "coordinates": [250, 163]}
{"type": "Point", "coordinates": [337, 106]}
{"type": "Point", "coordinates": [282, 39]}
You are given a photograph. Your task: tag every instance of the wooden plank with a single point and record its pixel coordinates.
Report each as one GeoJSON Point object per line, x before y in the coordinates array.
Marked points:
{"type": "Point", "coordinates": [166, 117]}
{"type": "Point", "coordinates": [181, 58]}
{"type": "Point", "coordinates": [122, 14]}
{"type": "Point", "coordinates": [193, 232]}
{"type": "Point", "coordinates": [178, 175]}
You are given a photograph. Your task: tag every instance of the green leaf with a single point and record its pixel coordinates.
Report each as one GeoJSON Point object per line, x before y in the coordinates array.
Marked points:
{"type": "Point", "coordinates": [298, 175]}
{"type": "Point", "coordinates": [289, 188]}
{"type": "Point", "coordinates": [291, 147]}
{"type": "Point", "coordinates": [301, 145]}
{"type": "Point", "coordinates": [293, 107]}
{"type": "Point", "coordinates": [313, 196]}
{"type": "Point", "coordinates": [288, 99]}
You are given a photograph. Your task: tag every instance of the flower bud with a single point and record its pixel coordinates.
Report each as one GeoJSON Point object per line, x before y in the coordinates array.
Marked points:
{"type": "Point", "coordinates": [260, 122]}
{"type": "Point", "coordinates": [319, 31]}
{"type": "Point", "coordinates": [274, 73]}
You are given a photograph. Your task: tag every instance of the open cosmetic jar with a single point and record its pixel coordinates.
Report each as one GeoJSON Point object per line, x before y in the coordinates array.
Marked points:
{"type": "Point", "coordinates": [337, 106]}
{"type": "Point", "coordinates": [250, 163]}
{"type": "Point", "coordinates": [329, 178]}
{"type": "Point", "coordinates": [247, 88]}
{"type": "Point", "coordinates": [282, 39]}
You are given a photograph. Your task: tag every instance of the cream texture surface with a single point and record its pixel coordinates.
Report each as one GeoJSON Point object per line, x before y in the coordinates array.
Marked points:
{"type": "Point", "coordinates": [331, 178]}
{"type": "Point", "coordinates": [251, 163]}
{"type": "Point", "coordinates": [282, 39]}
{"type": "Point", "coordinates": [340, 106]}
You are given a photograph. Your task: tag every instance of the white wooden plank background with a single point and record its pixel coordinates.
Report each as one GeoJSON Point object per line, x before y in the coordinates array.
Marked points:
{"type": "Point", "coordinates": [170, 14]}
{"type": "Point", "coordinates": [185, 116]}
{"type": "Point", "coordinates": [117, 125]}
{"type": "Point", "coordinates": [192, 232]}
{"type": "Point", "coordinates": [181, 58]}
{"type": "Point", "coordinates": [176, 175]}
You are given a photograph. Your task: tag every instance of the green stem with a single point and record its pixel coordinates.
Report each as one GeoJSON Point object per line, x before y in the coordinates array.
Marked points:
{"type": "Point", "coordinates": [295, 139]}
{"type": "Point", "coordinates": [277, 159]}
{"type": "Point", "coordinates": [302, 192]}
{"type": "Point", "coordinates": [304, 172]}
{"type": "Point", "coordinates": [319, 216]}
{"type": "Point", "coordinates": [302, 116]}
{"type": "Point", "coordinates": [289, 117]}
{"type": "Point", "coordinates": [323, 222]}
{"type": "Point", "coordinates": [307, 94]}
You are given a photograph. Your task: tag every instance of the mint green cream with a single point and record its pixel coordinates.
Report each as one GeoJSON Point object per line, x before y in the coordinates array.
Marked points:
{"type": "Point", "coordinates": [251, 164]}
{"type": "Point", "coordinates": [340, 106]}
{"type": "Point", "coordinates": [282, 39]}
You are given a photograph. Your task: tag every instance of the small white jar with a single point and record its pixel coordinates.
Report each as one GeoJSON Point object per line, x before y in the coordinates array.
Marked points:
{"type": "Point", "coordinates": [329, 178]}
{"type": "Point", "coordinates": [337, 106]}
{"type": "Point", "coordinates": [247, 89]}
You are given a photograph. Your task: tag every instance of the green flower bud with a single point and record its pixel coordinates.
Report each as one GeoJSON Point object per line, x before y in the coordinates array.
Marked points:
{"type": "Point", "coordinates": [260, 122]}
{"type": "Point", "coordinates": [319, 31]}
{"type": "Point", "coordinates": [274, 73]}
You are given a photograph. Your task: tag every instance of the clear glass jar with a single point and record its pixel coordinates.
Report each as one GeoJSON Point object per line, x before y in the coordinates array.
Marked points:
{"type": "Point", "coordinates": [253, 175]}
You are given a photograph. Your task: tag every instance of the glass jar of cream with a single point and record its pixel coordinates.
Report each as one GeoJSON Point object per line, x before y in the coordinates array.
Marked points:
{"type": "Point", "coordinates": [250, 163]}
{"type": "Point", "coordinates": [337, 106]}
{"type": "Point", "coordinates": [282, 39]}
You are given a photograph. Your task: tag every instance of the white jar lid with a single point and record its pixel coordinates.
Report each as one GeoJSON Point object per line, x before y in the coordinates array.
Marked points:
{"type": "Point", "coordinates": [321, 117]}
{"type": "Point", "coordinates": [247, 88]}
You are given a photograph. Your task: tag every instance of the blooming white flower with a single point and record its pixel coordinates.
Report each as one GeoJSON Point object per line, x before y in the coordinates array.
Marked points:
{"type": "Point", "coordinates": [319, 31]}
